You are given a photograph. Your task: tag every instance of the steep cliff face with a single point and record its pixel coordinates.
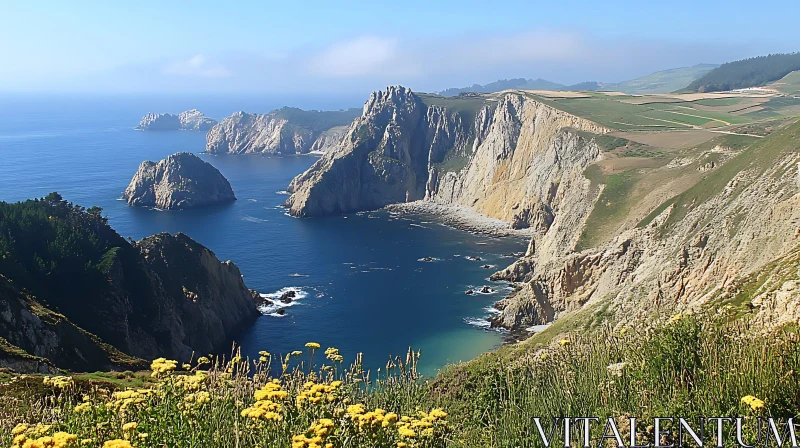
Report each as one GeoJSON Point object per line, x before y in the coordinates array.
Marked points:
{"type": "Point", "coordinates": [382, 159]}
{"type": "Point", "coordinates": [732, 238]}
{"type": "Point", "coordinates": [180, 181]}
{"type": "Point", "coordinates": [509, 157]}
{"type": "Point", "coordinates": [190, 120]}
{"type": "Point", "coordinates": [34, 335]}
{"type": "Point", "coordinates": [76, 293]}
{"type": "Point", "coordinates": [282, 131]}
{"type": "Point", "coordinates": [197, 302]}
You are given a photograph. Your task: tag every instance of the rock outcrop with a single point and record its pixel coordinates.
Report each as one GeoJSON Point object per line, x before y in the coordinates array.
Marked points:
{"type": "Point", "coordinates": [190, 120]}
{"type": "Point", "coordinates": [509, 157]}
{"type": "Point", "coordinates": [180, 181]}
{"type": "Point", "coordinates": [106, 302]}
{"type": "Point", "coordinates": [731, 239]}
{"type": "Point", "coordinates": [282, 131]}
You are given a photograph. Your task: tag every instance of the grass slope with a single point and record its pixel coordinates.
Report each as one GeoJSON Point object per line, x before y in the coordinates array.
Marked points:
{"type": "Point", "coordinates": [688, 366]}
{"type": "Point", "coordinates": [745, 73]}
{"type": "Point", "coordinates": [759, 156]}
{"type": "Point", "coordinates": [662, 82]}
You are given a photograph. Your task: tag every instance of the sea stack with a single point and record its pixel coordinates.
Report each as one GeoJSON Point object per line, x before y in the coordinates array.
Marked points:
{"type": "Point", "coordinates": [180, 181]}
{"type": "Point", "coordinates": [190, 120]}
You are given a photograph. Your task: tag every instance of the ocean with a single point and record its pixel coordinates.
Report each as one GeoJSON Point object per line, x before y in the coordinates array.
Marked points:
{"type": "Point", "coordinates": [358, 278]}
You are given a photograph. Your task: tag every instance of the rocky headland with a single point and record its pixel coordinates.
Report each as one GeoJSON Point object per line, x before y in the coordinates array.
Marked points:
{"type": "Point", "coordinates": [103, 302]}
{"type": "Point", "coordinates": [282, 131]}
{"type": "Point", "coordinates": [180, 181]}
{"type": "Point", "coordinates": [689, 241]}
{"type": "Point", "coordinates": [190, 120]}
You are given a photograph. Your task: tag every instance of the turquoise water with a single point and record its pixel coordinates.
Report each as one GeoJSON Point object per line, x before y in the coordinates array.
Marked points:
{"type": "Point", "coordinates": [361, 285]}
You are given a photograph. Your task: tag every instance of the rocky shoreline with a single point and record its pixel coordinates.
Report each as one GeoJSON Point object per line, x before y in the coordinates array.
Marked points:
{"type": "Point", "coordinates": [460, 217]}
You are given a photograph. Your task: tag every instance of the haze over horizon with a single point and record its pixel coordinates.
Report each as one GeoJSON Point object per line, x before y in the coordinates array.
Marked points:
{"type": "Point", "coordinates": [318, 48]}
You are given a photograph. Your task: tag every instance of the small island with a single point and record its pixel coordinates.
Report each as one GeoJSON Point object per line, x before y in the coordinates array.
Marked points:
{"type": "Point", "coordinates": [180, 181]}
{"type": "Point", "coordinates": [190, 120]}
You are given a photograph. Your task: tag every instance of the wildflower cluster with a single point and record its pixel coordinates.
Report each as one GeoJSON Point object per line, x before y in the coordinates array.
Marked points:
{"type": "Point", "coordinates": [162, 366]}
{"type": "Point", "coordinates": [306, 406]}
{"type": "Point", "coordinates": [268, 403]}
{"type": "Point", "coordinates": [58, 382]}
{"type": "Point", "coordinates": [36, 436]}
{"type": "Point", "coordinates": [754, 403]}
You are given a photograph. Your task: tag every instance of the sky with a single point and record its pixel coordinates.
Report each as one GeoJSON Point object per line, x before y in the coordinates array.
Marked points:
{"type": "Point", "coordinates": [317, 47]}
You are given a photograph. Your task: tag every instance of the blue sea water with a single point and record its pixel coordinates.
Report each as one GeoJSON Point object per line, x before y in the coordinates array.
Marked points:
{"type": "Point", "coordinates": [361, 286]}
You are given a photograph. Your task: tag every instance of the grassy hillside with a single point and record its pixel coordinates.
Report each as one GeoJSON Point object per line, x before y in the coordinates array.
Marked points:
{"type": "Point", "coordinates": [758, 156]}
{"type": "Point", "coordinates": [664, 81]}
{"type": "Point", "coordinates": [751, 72]}
{"type": "Point", "coordinates": [789, 84]}
{"type": "Point", "coordinates": [713, 111]}
{"type": "Point", "coordinates": [682, 368]}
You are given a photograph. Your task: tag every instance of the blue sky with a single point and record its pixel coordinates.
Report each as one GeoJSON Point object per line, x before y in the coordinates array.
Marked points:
{"type": "Point", "coordinates": [355, 46]}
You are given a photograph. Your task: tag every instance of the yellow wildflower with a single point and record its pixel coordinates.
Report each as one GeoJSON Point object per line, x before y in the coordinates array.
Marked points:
{"type": "Point", "coordinates": [162, 365]}
{"type": "Point", "coordinates": [754, 403]}
{"type": "Point", "coordinates": [406, 431]}
{"type": "Point", "coordinates": [19, 429]}
{"type": "Point", "coordinates": [129, 426]}
{"type": "Point", "coordinates": [312, 345]}
{"type": "Point", "coordinates": [565, 341]}
{"type": "Point", "coordinates": [117, 443]}
{"type": "Point", "coordinates": [59, 382]}
{"type": "Point", "coordinates": [83, 407]}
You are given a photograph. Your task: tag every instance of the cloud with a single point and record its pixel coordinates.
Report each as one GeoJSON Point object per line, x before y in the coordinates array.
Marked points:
{"type": "Point", "coordinates": [197, 66]}
{"type": "Point", "coordinates": [368, 62]}
{"type": "Point", "coordinates": [361, 57]}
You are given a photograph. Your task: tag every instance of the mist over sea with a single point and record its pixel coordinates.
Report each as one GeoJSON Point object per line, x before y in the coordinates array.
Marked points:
{"type": "Point", "coordinates": [360, 285]}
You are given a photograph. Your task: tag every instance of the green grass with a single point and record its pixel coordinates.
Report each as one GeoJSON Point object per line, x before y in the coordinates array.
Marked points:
{"type": "Point", "coordinates": [611, 206]}
{"type": "Point", "coordinates": [682, 368]}
{"type": "Point", "coordinates": [689, 366]}
{"type": "Point", "coordinates": [717, 102]}
{"type": "Point", "coordinates": [789, 84]}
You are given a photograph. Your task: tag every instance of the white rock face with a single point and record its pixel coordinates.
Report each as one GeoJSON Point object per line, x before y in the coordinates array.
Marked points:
{"type": "Point", "coordinates": [282, 131]}
{"type": "Point", "coordinates": [180, 181]}
{"type": "Point", "coordinates": [516, 161]}
{"type": "Point", "coordinates": [190, 120]}
{"type": "Point", "coordinates": [194, 120]}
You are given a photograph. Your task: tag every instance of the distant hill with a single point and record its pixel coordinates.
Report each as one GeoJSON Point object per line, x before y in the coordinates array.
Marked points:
{"type": "Point", "coordinates": [586, 85]}
{"type": "Point", "coordinates": [662, 82]}
{"type": "Point", "coordinates": [504, 84]}
{"type": "Point", "coordinates": [659, 82]}
{"type": "Point", "coordinates": [751, 72]}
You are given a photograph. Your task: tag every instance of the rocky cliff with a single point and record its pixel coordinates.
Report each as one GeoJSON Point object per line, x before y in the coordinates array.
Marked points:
{"type": "Point", "coordinates": [732, 239]}
{"type": "Point", "coordinates": [74, 294]}
{"type": "Point", "coordinates": [180, 181]}
{"type": "Point", "coordinates": [190, 120]}
{"type": "Point", "coordinates": [507, 156]}
{"type": "Point", "coordinates": [282, 131]}
{"type": "Point", "coordinates": [719, 220]}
